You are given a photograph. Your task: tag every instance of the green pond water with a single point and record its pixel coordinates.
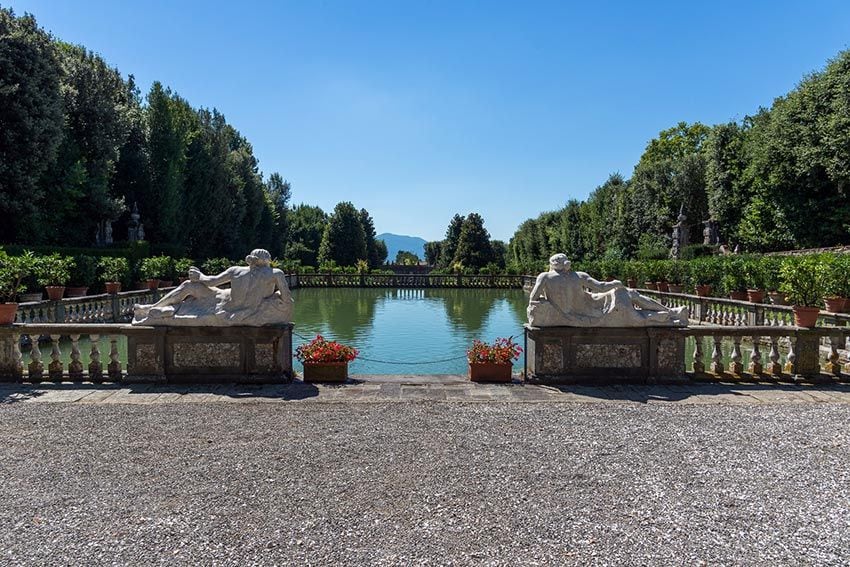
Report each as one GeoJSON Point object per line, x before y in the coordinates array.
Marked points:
{"type": "Point", "coordinates": [402, 331]}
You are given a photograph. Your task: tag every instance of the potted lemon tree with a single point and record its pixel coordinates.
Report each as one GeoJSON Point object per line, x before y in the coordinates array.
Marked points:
{"type": "Point", "coordinates": [802, 283]}
{"type": "Point", "coordinates": [324, 360]}
{"type": "Point", "coordinates": [53, 273]}
{"type": "Point", "coordinates": [13, 270]}
{"type": "Point", "coordinates": [492, 362]}
{"type": "Point", "coordinates": [113, 270]}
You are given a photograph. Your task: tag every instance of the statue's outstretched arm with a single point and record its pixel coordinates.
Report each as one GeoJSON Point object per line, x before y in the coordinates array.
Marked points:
{"type": "Point", "coordinates": [596, 285]}
{"type": "Point", "coordinates": [224, 277]}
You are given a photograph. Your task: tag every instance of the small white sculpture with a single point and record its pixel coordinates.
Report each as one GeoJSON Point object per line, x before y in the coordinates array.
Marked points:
{"type": "Point", "coordinates": [258, 296]}
{"type": "Point", "coordinates": [564, 298]}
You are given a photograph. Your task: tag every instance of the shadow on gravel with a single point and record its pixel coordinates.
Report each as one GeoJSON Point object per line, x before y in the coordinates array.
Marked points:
{"type": "Point", "coordinates": [21, 392]}
{"type": "Point", "coordinates": [296, 390]}
{"type": "Point", "coordinates": [679, 392]}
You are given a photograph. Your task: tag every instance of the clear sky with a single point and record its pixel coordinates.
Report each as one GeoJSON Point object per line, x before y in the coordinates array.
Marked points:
{"type": "Point", "coordinates": [416, 110]}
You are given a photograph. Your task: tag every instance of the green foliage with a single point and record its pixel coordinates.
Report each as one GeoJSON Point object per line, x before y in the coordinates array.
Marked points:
{"type": "Point", "coordinates": [13, 271]}
{"type": "Point", "coordinates": [652, 247]}
{"type": "Point", "coordinates": [84, 272]}
{"type": "Point", "coordinates": [214, 266]}
{"type": "Point", "coordinates": [306, 226]}
{"type": "Point", "coordinates": [381, 251]}
{"type": "Point", "coordinates": [433, 251]}
{"type": "Point", "coordinates": [835, 274]}
{"type": "Point", "coordinates": [473, 245]}
{"type": "Point", "coordinates": [53, 270]}
{"type": "Point", "coordinates": [113, 269]}
{"type": "Point", "coordinates": [372, 251]}
{"type": "Point", "coordinates": [449, 246]}
{"type": "Point", "coordinates": [344, 240]}
{"type": "Point", "coordinates": [181, 267]}
{"type": "Point", "coordinates": [157, 268]}
{"type": "Point", "coordinates": [802, 280]}
{"type": "Point", "coordinates": [405, 258]}
{"type": "Point", "coordinates": [697, 251]}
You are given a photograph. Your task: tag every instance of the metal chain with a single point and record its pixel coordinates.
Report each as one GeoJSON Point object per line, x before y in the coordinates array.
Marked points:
{"type": "Point", "coordinates": [375, 360]}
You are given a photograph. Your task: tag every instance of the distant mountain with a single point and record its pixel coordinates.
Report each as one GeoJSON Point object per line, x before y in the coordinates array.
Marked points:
{"type": "Point", "coordinates": [397, 242]}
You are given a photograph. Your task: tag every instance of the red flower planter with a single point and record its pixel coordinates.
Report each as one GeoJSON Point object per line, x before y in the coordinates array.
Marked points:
{"type": "Point", "coordinates": [490, 372]}
{"type": "Point", "coordinates": [325, 371]}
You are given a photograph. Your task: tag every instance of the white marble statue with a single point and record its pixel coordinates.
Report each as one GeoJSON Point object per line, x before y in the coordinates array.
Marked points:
{"type": "Point", "coordinates": [258, 295]}
{"type": "Point", "coordinates": [562, 297]}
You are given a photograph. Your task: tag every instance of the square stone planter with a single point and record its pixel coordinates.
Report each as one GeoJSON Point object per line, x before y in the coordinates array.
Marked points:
{"type": "Point", "coordinates": [325, 371]}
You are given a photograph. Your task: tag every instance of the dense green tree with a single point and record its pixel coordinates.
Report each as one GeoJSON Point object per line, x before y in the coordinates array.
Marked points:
{"type": "Point", "coordinates": [368, 225]}
{"type": "Point", "coordinates": [343, 240]}
{"type": "Point", "coordinates": [306, 227]}
{"type": "Point", "coordinates": [405, 258]}
{"type": "Point", "coordinates": [381, 251]}
{"type": "Point", "coordinates": [433, 251]}
{"type": "Point", "coordinates": [31, 122]}
{"type": "Point", "coordinates": [449, 247]}
{"type": "Point", "coordinates": [280, 192]}
{"type": "Point", "coordinates": [473, 245]}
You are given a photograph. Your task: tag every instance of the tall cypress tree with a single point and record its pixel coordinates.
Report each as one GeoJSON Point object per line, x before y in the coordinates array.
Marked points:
{"type": "Point", "coordinates": [369, 234]}
{"type": "Point", "coordinates": [473, 246]}
{"type": "Point", "coordinates": [449, 248]}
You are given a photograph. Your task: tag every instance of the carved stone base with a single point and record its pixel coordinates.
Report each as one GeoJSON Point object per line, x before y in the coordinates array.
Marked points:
{"type": "Point", "coordinates": [562, 355]}
{"type": "Point", "coordinates": [203, 355]}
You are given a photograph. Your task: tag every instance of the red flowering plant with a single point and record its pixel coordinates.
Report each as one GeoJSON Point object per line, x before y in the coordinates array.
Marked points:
{"type": "Point", "coordinates": [321, 350]}
{"type": "Point", "coordinates": [503, 351]}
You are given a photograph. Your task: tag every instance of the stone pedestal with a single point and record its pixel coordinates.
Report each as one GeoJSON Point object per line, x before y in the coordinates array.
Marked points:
{"type": "Point", "coordinates": [203, 355]}
{"type": "Point", "coordinates": [565, 355]}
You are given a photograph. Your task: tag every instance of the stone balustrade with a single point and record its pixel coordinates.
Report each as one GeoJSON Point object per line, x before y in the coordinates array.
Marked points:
{"type": "Point", "coordinates": [573, 354]}
{"type": "Point", "coordinates": [734, 313]}
{"type": "Point", "coordinates": [503, 281]}
{"type": "Point", "coordinates": [153, 354]}
{"type": "Point", "coordinates": [103, 308]}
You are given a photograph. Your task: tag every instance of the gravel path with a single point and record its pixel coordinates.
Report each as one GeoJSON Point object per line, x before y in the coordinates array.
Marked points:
{"type": "Point", "coordinates": [425, 483]}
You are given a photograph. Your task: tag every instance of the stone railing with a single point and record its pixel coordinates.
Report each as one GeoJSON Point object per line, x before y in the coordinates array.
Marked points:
{"type": "Point", "coordinates": [734, 313]}
{"type": "Point", "coordinates": [34, 353]}
{"type": "Point", "coordinates": [103, 308]}
{"type": "Point", "coordinates": [406, 280]}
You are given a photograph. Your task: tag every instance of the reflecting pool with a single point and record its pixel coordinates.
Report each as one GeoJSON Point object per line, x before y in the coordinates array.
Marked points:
{"type": "Point", "coordinates": [393, 327]}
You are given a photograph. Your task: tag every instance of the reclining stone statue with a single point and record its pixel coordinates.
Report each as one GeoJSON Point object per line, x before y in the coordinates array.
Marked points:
{"type": "Point", "coordinates": [562, 297]}
{"type": "Point", "coordinates": [258, 296]}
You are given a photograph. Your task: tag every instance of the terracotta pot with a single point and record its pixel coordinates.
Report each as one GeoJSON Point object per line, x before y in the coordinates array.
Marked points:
{"type": "Point", "coordinates": [805, 316]}
{"type": "Point", "coordinates": [631, 283]}
{"type": "Point", "coordinates": [676, 288]}
{"type": "Point", "coordinates": [846, 307]}
{"type": "Point", "coordinates": [755, 296]}
{"type": "Point", "coordinates": [703, 290]}
{"type": "Point", "coordinates": [662, 286]}
{"type": "Point", "coordinates": [650, 285]}
{"type": "Point", "coordinates": [7, 313]}
{"type": "Point", "coordinates": [834, 304]}
{"type": "Point", "coordinates": [738, 295]}
{"type": "Point", "coordinates": [113, 287]}
{"type": "Point", "coordinates": [153, 284]}
{"type": "Point", "coordinates": [325, 371]}
{"type": "Point", "coordinates": [55, 292]}
{"type": "Point", "coordinates": [490, 372]}
{"type": "Point", "coordinates": [166, 283]}
{"type": "Point", "coordinates": [777, 298]}
{"type": "Point", "coordinates": [76, 291]}
{"type": "Point", "coordinates": [30, 297]}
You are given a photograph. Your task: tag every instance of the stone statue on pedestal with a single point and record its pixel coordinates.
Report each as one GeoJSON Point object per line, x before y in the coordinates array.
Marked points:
{"type": "Point", "coordinates": [258, 296]}
{"type": "Point", "coordinates": [710, 237]}
{"type": "Point", "coordinates": [135, 229]}
{"type": "Point", "coordinates": [681, 238]}
{"type": "Point", "coordinates": [563, 297]}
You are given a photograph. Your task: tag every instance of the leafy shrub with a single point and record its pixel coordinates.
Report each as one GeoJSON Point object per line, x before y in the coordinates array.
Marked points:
{"type": "Point", "coordinates": [157, 267]}
{"type": "Point", "coordinates": [802, 280]}
{"type": "Point", "coordinates": [214, 266]}
{"type": "Point", "coordinates": [84, 271]}
{"type": "Point", "coordinates": [13, 270]}
{"type": "Point", "coordinates": [113, 269]}
{"type": "Point", "coordinates": [53, 270]}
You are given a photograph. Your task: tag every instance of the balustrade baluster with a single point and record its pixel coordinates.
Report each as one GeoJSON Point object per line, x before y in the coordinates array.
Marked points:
{"type": "Point", "coordinates": [833, 365]}
{"type": "Point", "coordinates": [699, 365]}
{"type": "Point", "coordinates": [736, 366]}
{"type": "Point", "coordinates": [36, 367]}
{"type": "Point", "coordinates": [95, 366]}
{"type": "Point", "coordinates": [55, 368]}
{"type": "Point", "coordinates": [756, 366]}
{"type": "Point", "coordinates": [791, 360]}
{"type": "Point", "coordinates": [717, 355]}
{"type": "Point", "coordinates": [774, 367]}
{"type": "Point", "coordinates": [17, 356]}
{"type": "Point", "coordinates": [75, 368]}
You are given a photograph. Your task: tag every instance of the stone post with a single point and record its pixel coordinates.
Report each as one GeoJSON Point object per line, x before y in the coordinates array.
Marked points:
{"type": "Point", "coordinates": [11, 368]}
{"type": "Point", "coordinates": [804, 358]}
{"type": "Point", "coordinates": [115, 303]}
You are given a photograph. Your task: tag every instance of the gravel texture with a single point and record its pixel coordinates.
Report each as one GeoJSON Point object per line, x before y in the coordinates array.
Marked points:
{"type": "Point", "coordinates": [425, 483]}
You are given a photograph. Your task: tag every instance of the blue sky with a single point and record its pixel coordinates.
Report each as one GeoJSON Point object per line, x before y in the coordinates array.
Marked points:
{"type": "Point", "coordinates": [417, 110]}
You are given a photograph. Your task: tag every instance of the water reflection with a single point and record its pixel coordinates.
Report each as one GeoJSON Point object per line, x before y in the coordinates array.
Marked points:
{"type": "Point", "coordinates": [408, 325]}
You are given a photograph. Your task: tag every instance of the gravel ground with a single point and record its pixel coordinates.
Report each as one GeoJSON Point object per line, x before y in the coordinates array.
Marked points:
{"type": "Point", "coordinates": [425, 483]}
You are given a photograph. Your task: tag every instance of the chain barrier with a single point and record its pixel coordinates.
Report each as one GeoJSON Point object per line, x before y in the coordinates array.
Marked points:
{"type": "Point", "coordinates": [377, 361]}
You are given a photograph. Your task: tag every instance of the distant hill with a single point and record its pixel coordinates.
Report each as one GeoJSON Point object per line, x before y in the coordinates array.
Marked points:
{"type": "Point", "coordinates": [397, 242]}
